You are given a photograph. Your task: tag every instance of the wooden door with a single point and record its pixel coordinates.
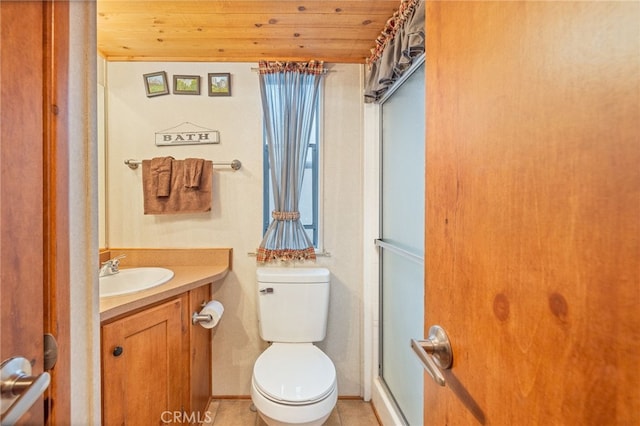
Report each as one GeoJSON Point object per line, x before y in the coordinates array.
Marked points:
{"type": "Point", "coordinates": [33, 199]}
{"type": "Point", "coordinates": [533, 211]}
{"type": "Point", "coordinates": [144, 366]}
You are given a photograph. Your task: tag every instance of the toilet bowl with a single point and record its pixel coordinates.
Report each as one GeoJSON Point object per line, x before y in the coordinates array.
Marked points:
{"type": "Point", "coordinates": [293, 382]}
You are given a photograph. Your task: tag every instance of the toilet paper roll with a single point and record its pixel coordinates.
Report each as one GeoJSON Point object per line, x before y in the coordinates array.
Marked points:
{"type": "Point", "coordinates": [215, 309]}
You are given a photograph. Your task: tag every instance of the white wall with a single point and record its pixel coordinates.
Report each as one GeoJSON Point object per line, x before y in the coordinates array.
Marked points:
{"type": "Point", "coordinates": [236, 217]}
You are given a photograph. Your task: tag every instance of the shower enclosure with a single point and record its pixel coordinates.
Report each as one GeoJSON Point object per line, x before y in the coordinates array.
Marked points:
{"type": "Point", "coordinates": [401, 243]}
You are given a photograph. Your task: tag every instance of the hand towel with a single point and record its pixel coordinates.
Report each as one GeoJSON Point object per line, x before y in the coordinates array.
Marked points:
{"type": "Point", "coordinates": [161, 174]}
{"type": "Point", "coordinates": [181, 199]}
{"type": "Point", "coordinates": [192, 172]}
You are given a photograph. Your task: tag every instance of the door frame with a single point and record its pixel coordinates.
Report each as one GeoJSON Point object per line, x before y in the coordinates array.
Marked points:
{"type": "Point", "coordinates": [84, 301]}
{"type": "Point", "coordinates": [56, 206]}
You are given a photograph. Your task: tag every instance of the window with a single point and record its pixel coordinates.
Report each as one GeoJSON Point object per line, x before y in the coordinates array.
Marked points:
{"type": "Point", "coordinates": [309, 198]}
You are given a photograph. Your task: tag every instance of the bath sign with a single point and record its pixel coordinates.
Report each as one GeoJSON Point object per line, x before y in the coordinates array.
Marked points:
{"type": "Point", "coordinates": [187, 134]}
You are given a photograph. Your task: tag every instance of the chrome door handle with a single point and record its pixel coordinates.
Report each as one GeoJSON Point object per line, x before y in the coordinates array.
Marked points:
{"type": "Point", "coordinates": [19, 389]}
{"type": "Point", "coordinates": [434, 353]}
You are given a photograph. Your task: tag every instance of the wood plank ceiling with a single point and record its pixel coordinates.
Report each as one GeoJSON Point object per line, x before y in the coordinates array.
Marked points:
{"type": "Point", "coordinates": [240, 31]}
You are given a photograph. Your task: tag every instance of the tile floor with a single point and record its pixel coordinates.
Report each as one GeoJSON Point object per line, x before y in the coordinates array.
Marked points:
{"type": "Point", "coordinates": [236, 412]}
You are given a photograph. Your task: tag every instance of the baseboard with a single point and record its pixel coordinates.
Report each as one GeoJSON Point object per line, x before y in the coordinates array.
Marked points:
{"type": "Point", "coordinates": [214, 397]}
{"type": "Point", "coordinates": [384, 407]}
{"type": "Point", "coordinates": [375, 413]}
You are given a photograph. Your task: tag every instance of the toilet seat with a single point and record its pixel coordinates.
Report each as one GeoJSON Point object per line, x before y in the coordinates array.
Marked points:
{"type": "Point", "coordinates": [294, 374]}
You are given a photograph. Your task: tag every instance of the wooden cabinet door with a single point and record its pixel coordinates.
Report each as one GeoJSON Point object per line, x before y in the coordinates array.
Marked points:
{"type": "Point", "coordinates": [533, 211]}
{"type": "Point", "coordinates": [143, 379]}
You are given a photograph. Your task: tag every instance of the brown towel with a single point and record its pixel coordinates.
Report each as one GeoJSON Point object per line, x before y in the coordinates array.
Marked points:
{"type": "Point", "coordinates": [192, 172]}
{"type": "Point", "coordinates": [180, 199]}
{"type": "Point", "coordinates": [161, 175]}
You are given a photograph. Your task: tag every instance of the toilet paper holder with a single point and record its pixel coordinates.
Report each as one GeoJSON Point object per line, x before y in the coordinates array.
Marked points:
{"type": "Point", "coordinates": [197, 318]}
{"type": "Point", "coordinates": [209, 314]}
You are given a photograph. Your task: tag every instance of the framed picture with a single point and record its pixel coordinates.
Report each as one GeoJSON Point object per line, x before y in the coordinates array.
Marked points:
{"type": "Point", "coordinates": [186, 84]}
{"type": "Point", "coordinates": [219, 84]}
{"type": "Point", "coordinates": [156, 84]}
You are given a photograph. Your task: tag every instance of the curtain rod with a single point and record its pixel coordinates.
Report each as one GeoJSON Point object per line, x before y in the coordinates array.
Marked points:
{"type": "Point", "coordinates": [323, 72]}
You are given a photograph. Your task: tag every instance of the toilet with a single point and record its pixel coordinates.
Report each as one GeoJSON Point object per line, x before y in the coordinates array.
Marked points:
{"type": "Point", "coordinates": [294, 382]}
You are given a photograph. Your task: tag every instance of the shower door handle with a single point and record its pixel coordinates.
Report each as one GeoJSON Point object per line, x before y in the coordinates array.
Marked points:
{"type": "Point", "coordinates": [19, 389]}
{"type": "Point", "coordinates": [434, 353]}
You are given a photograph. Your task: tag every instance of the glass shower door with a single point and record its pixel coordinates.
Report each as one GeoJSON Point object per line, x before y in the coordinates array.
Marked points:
{"type": "Point", "coordinates": [401, 244]}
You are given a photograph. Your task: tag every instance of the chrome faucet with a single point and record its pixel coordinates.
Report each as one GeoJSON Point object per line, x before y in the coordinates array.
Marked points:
{"type": "Point", "coordinates": [111, 266]}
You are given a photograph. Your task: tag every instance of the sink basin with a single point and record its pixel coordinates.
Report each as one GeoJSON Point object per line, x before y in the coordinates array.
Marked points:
{"type": "Point", "coordinates": [133, 280]}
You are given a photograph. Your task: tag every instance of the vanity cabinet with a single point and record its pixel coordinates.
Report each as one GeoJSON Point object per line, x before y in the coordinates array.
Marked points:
{"type": "Point", "coordinates": [156, 365]}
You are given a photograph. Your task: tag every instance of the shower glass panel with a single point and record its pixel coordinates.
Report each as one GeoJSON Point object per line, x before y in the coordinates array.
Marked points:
{"type": "Point", "coordinates": [402, 243]}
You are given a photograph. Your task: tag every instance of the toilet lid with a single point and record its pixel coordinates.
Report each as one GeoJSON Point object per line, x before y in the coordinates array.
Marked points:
{"type": "Point", "coordinates": [294, 373]}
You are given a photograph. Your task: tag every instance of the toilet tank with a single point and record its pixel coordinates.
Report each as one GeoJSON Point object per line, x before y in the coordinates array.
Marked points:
{"type": "Point", "coordinates": [293, 304]}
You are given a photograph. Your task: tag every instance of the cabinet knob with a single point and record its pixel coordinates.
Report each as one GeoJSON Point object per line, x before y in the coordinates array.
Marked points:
{"type": "Point", "coordinates": [117, 351]}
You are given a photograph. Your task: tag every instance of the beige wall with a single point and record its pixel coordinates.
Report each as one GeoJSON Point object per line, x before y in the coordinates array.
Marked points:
{"type": "Point", "coordinates": [236, 217]}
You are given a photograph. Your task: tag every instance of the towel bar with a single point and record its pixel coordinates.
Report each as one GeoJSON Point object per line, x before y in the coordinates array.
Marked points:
{"type": "Point", "coordinates": [235, 164]}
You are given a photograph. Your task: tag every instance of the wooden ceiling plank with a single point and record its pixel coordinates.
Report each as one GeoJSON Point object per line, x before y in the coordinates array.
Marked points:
{"type": "Point", "coordinates": [328, 57]}
{"type": "Point", "coordinates": [238, 34]}
{"type": "Point", "coordinates": [130, 21]}
{"type": "Point", "coordinates": [280, 45]}
{"type": "Point", "coordinates": [385, 7]}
